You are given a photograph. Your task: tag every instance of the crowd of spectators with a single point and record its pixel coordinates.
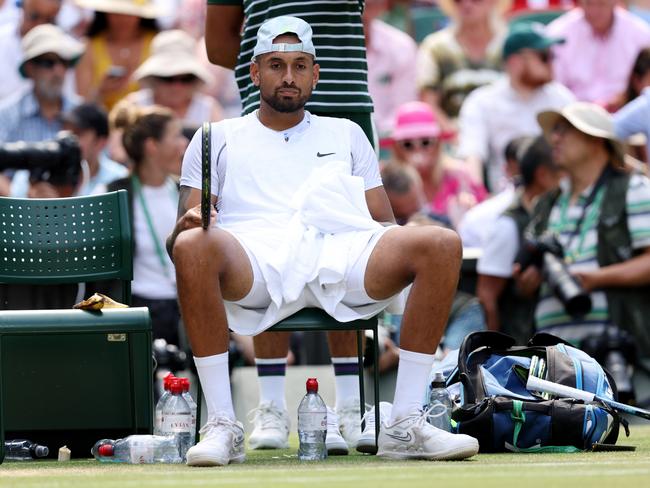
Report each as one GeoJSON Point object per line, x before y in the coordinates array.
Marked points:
{"type": "Point", "coordinates": [456, 114]}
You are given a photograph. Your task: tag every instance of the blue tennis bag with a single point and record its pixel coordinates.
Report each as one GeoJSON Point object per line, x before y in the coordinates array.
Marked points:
{"type": "Point", "coordinates": [497, 409]}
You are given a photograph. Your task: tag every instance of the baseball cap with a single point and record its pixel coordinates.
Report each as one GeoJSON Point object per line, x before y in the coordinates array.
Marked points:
{"type": "Point", "coordinates": [414, 120]}
{"type": "Point", "coordinates": [277, 26]}
{"type": "Point", "coordinates": [529, 35]}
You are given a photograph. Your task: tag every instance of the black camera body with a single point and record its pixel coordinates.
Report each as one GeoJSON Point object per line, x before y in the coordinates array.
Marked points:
{"type": "Point", "coordinates": [547, 254]}
{"type": "Point", "coordinates": [56, 161]}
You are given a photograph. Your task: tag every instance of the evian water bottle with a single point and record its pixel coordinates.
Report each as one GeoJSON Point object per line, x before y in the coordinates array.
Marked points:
{"type": "Point", "coordinates": [177, 417]}
{"type": "Point", "coordinates": [312, 424]}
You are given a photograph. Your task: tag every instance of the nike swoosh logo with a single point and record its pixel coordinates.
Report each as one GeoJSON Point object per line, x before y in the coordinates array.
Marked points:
{"type": "Point", "coordinates": [319, 155]}
{"type": "Point", "coordinates": [403, 438]}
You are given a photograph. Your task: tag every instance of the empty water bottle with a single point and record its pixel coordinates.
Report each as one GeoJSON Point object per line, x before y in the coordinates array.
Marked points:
{"type": "Point", "coordinates": [24, 450]}
{"type": "Point", "coordinates": [312, 424]}
{"type": "Point", "coordinates": [138, 449]}
{"type": "Point", "coordinates": [161, 402]}
{"type": "Point", "coordinates": [193, 407]}
{"type": "Point", "coordinates": [439, 404]}
{"type": "Point", "coordinates": [177, 417]}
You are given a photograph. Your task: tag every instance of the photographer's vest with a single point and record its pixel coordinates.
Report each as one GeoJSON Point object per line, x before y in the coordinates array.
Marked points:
{"type": "Point", "coordinates": [628, 307]}
{"type": "Point", "coordinates": [516, 312]}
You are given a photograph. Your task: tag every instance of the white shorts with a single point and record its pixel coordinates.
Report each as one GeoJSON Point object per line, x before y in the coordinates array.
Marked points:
{"type": "Point", "coordinates": [258, 297]}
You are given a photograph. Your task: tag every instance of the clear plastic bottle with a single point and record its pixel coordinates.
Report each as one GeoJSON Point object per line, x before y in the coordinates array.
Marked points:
{"type": "Point", "coordinates": [138, 449]}
{"type": "Point", "coordinates": [312, 424]}
{"type": "Point", "coordinates": [193, 407]}
{"type": "Point", "coordinates": [439, 404]}
{"type": "Point", "coordinates": [177, 417]}
{"type": "Point", "coordinates": [24, 450]}
{"type": "Point", "coordinates": [161, 402]}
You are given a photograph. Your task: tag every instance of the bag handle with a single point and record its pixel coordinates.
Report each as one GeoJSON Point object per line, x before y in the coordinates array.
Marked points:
{"type": "Point", "coordinates": [472, 342]}
{"type": "Point", "coordinates": [206, 193]}
{"type": "Point", "coordinates": [544, 339]}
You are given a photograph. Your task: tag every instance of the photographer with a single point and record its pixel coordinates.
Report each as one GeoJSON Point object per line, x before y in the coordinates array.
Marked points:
{"type": "Point", "coordinates": [600, 217]}
{"type": "Point", "coordinates": [35, 114]}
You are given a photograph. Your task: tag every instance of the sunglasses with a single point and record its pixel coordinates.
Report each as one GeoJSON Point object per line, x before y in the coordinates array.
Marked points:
{"type": "Point", "coordinates": [49, 63]}
{"type": "Point", "coordinates": [411, 144]}
{"type": "Point", "coordinates": [562, 128]}
{"type": "Point", "coordinates": [184, 79]}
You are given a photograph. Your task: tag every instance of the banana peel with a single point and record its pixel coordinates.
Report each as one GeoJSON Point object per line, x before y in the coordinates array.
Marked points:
{"type": "Point", "coordinates": [97, 302]}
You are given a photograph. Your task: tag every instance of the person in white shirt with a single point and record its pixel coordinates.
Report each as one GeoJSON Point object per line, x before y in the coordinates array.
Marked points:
{"type": "Point", "coordinates": [493, 115]}
{"type": "Point", "coordinates": [295, 193]}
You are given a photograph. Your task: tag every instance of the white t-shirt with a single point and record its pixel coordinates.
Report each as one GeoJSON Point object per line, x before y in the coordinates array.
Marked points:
{"type": "Point", "coordinates": [500, 249]}
{"type": "Point", "coordinates": [495, 114]}
{"type": "Point", "coordinates": [478, 221]}
{"type": "Point", "coordinates": [150, 279]}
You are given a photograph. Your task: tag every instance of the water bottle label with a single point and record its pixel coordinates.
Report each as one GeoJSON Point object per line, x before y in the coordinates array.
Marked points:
{"type": "Point", "coordinates": [176, 423]}
{"type": "Point", "coordinates": [312, 421]}
{"type": "Point", "coordinates": [141, 453]}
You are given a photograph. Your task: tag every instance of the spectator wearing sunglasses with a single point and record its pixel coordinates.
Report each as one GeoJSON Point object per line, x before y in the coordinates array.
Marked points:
{"type": "Point", "coordinates": [449, 189]}
{"type": "Point", "coordinates": [36, 114]}
{"type": "Point", "coordinates": [495, 114]}
{"type": "Point", "coordinates": [173, 77]}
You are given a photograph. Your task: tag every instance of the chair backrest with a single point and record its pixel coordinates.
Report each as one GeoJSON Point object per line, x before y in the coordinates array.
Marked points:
{"type": "Point", "coordinates": [66, 240]}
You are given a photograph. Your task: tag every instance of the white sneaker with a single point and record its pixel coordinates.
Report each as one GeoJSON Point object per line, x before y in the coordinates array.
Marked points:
{"type": "Point", "coordinates": [350, 421]}
{"type": "Point", "coordinates": [335, 443]}
{"type": "Point", "coordinates": [413, 438]}
{"type": "Point", "coordinates": [367, 443]}
{"type": "Point", "coordinates": [271, 427]}
{"type": "Point", "coordinates": [222, 442]}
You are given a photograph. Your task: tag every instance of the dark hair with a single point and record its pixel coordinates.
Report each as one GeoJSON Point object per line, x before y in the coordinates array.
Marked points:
{"type": "Point", "coordinates": [511, 152]}
{"type": "Point", "coordinates": [89, 116]}
{"type": "Point", "coordinates": [533, 155]}
{"type": "Point", "coordinates": [397, 178]}
{"type": "Point", "coordinates": [100, 24]}
{"type": "Point", "coordinates": [139, 124]}
{"type": "Point", "coordinates": [640, 68]}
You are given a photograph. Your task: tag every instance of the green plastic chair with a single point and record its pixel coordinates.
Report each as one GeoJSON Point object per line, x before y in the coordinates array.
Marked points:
{"type": "Point", "coordinates": [67, 240]}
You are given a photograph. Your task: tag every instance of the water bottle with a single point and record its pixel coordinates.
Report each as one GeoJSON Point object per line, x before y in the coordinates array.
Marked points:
{"type": "Point", "coordinates": [24, 450]}
{"type": "Point", "coordinates": [439, 404]}
{"type": "Point", "coordinates": [177, 417]}
{"type": "Point", "coordinates": [161, 402]}
{"type": "Point", "coordinates": [312, 424]}
{"type": "Point", "coordinates": [193, 407]}
{"type": "Point", "coordinates": [138, 449]}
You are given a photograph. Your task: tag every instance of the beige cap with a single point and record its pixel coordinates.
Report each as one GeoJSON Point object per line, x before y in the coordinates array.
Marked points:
{"type": "Point", "coordinates": [449, 7]}
{"type": "Point", "coordinates": [588, 118]}
{"type": "Point", "coordinates": [48, 38]}
{"type": "Point", "coordinates": [173, 53]}
{"type": "Point", "coordinates": [140, 8]}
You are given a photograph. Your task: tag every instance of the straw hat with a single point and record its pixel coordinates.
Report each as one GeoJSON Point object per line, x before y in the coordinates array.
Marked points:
{"type": "Point", "coordinates": [588, 118]}
{"type": "Point", "coordinates": [448, 7]}
{"type": "Point", "coordinates": [140, 8]}
{"type": "Point", "coordinates": [173, 53]}
{"type": "Point", "coordinates": [48, 38]}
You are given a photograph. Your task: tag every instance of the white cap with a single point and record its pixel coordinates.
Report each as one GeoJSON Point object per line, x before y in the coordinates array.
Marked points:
{"type": "Point", "coordinates": [277, 26]}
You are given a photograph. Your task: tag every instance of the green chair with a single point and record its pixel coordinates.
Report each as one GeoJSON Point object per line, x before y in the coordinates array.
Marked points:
{"type": "Point", "coordinates": [539, 16]}
{"type": "Point", "coordinates": [314, 319]}
{"type": "Point", "coordinates": [72, 375]}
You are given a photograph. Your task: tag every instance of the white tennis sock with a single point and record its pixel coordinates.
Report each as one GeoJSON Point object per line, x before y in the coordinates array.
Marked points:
{"type": "Point", "coordinates": [346, 377]}
{"type": "Point", "coordinates": [271, 375]}
{"type": "Point", "coordinates": [215, 381]}
{"type": "Point", "coordinates": [412, 376]}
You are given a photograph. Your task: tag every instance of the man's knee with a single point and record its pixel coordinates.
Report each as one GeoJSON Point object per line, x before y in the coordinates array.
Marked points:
{"type": "Point", "coordinates": [440, 247]}
{"type": "Point", "coordinates": [196, 247]}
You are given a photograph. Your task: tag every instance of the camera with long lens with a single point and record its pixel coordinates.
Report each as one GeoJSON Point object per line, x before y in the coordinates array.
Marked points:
{"type": "Point", "coordinates": [615, 350]}
{"type": "Point", "coordinates": [168, 358]}
{"type": "Point", "coordinates": [56, 161]}
{"type": "Point", "coordinates": [547, 254]}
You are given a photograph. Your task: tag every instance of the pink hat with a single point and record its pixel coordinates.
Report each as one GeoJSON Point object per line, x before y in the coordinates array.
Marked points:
{"type": "Point", "coordinates": [415, 120]}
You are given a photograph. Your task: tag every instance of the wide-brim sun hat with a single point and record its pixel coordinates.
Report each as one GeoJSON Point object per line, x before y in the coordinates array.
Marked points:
{"type": "Point", "coordinates": [415, 120]}
{"type": "Point", "coordinates": [48, 38]}
{"type": "Point", "coordinates": [140, 8]}
{"type": "Point", "coordinates": [450, 9]}
{"type": "Point", "coordinates": [277, 26]}
{"type": "Point", "coordinates": [173, 53]}
{"type": "Point", "coordinates": [588, 118]}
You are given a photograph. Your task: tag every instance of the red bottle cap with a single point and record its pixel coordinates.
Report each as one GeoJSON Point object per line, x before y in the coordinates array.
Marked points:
{"type": "Point", "coordinates": [167, 380]}
{"type": "Point", "coordinates": [312, 385]}
{"type": "Point", "coordinates": [105, 450]}
{"type": "Point", "coordinates": [186, 384]}
{"type": "Point", "coordinates": [176, 386]}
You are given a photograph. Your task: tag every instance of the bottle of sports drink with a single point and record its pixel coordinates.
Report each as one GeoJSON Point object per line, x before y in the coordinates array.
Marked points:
{"type": "Point", "coordinates": [177, 417]}
{"type": "Point", "coordinates": [439, 404]}
{"type": "Point", "coordinates": [24, 450]}
{"type": "Point", "coordinates": [138, 449]}
{"type": "Point", "coordinates": [312, 424]}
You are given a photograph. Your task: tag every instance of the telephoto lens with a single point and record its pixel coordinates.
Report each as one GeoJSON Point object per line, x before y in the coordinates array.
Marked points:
{"type": "Point", "coordinates": [566, 287]}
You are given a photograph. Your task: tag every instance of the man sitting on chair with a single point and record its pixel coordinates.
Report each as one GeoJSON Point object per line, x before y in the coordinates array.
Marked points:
{"type": "Point", "coordinates": [300, 207]}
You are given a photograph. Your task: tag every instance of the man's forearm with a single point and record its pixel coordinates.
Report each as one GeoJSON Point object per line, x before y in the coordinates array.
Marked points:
{"type": "Point", "coordinates": [630, 273]}
{"type": "Point", "coordinates": [222, 34]}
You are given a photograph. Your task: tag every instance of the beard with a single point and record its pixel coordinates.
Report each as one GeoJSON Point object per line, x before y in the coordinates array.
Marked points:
{"type": "Point", "coordinates": [50, 90]}
{"type": "Point", "coordinates": [535, 80]}
{"type": "Point", "coordinates": [285, 105]}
